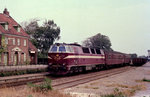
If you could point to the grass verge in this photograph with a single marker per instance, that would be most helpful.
(125, 91)
(33, 90)
(27, 92)
(116, 93)
(44, 87)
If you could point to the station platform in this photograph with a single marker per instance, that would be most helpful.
(22, 67)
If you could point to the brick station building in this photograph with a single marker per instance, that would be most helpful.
(15, 47)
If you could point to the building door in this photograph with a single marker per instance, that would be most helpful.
(6, 58)
(32, 58)
(16, 58)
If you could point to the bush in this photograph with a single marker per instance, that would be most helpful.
(30, 96)
(117, 93)
(42, 87)
(27, 62)
(146, 80)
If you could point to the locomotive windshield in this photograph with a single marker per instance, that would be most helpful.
(60, 48)
(54, 49)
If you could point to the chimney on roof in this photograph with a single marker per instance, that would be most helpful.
(6, 12)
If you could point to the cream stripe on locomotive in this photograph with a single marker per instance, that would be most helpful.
(49, 57)
(79, 56)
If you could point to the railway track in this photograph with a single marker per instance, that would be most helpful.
(21, 79)
(63, 82)
(68, 82)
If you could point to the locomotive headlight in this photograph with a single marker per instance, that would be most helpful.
(50, 63)
(63, 64)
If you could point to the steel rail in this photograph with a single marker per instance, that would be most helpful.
(22, 79)
(71, 82)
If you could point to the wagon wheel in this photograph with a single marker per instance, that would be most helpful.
(71, 71)
(80, 69)
(76, 69)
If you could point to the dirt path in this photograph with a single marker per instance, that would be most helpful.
(129, 83)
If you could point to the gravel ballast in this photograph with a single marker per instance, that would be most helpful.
(129, 82)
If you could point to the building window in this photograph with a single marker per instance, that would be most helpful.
(24, 57)
(14, 42)
(5, 25)
(0, 57)
(5, 58)
(19, 57)
(17, 28)
(12, 59)
(6, 40)
(18, 41)
(25, 42)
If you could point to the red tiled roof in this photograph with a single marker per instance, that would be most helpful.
(11, 24)
(32, 47)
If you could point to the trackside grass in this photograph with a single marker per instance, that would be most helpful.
(44, 87)
(116, 93)
(27, 92)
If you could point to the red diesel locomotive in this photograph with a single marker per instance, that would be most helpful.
(70, 58)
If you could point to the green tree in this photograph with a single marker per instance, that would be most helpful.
(134, 55)
(43, 36)
(98, 41)
(31, 26)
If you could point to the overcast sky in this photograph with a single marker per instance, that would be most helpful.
(125, 22)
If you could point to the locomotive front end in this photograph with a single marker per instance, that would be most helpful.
(58, 64)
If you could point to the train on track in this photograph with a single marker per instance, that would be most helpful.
(73, 58)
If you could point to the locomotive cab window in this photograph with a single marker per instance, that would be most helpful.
(54, 49)
(68, 49)
(98, 51)
(62, 48)
(85, 50)
(93, 51)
